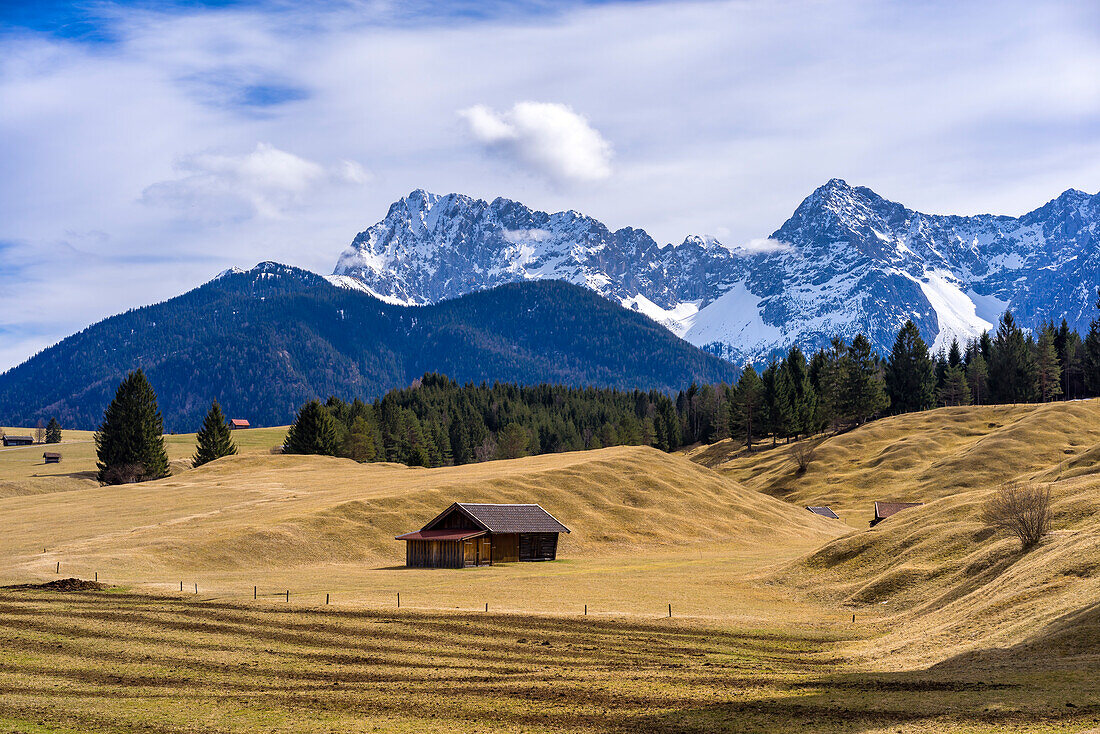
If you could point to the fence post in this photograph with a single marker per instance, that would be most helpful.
(181, 586)
(288, 596)
(326, 598)
(196, 588)
(254, 592)
(97, 576)
(58, 567)
(399, 600)
(586, 610)
(486, 606)
(670, 609)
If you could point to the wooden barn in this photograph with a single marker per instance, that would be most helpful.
(51, 457)
(884, 510)
(469, 534)
(238, 423)
(18, 441)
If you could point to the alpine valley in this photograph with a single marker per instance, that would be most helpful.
(847, 261)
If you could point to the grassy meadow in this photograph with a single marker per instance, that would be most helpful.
(955, 629)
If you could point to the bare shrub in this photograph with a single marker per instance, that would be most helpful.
(803, 452)
(123, 474)
(40, 432)
(1022, 508)
(278, 449)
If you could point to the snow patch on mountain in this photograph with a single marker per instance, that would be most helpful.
(846, 261)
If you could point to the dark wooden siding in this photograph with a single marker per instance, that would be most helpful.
(455, 520)
(538, 546)
(434, 554)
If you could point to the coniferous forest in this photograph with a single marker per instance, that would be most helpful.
(438, 422)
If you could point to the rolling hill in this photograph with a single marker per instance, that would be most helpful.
(264, 341)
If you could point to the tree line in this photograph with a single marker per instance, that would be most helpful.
(437, 422)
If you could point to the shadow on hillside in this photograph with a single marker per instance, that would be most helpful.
(1072, 640)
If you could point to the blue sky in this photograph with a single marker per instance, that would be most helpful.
(147, 146)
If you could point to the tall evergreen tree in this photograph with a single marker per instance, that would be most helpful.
(313, 431)
(864, 386)
(909, 379)
(130, 441)
(803, 396)
(1048, 370)
(747, 406)
(214, 439)
(1091, 359)
(53, 431)
(1073, 370)
(977, 378)
(363, 443)
(955, 389)
(1012, 367)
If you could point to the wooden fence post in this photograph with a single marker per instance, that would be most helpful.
(254, 591)
(58, 567)
(399, 600)
(288, 596)
(486, 606)
(196, 588)
(586, 610)
(326, 598)
(670, 609)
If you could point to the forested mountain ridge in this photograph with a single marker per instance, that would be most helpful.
(264, 341)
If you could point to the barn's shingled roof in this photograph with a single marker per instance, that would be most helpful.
(884, 510)
(506, 518)
(824, 511)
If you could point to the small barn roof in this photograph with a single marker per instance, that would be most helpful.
(22, 439)
(505, 518)
(441, 535)
(239, 423)
(51, 455)
(884, 510)
(824, 511)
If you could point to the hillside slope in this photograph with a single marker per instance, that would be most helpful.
(941, 585)
(264, 341)
(292, 511)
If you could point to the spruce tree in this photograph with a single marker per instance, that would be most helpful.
(1091, 359)
(313, 431)
(214, 439)
(864, 387)
(955, 390)
(909, 379)
(53, 431)
(977, 378)
(363, 441)
(130, 441)
(1012, 367)
(1048, 370)
(747, 406)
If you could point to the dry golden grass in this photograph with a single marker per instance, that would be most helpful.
(22, 470)
(118, 662)
(762, 590)
(648, 529)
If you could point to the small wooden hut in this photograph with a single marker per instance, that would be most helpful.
(470, 534)
(18, 441)
(238, 423)
(51, 457)
(884, 510)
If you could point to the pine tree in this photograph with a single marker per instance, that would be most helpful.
(53, 431)
(1091, 359)
(214, 439)
(1012, 367)
(977, 378)
(1048, 371)
(909, 379)
(864, 386)
(313, 431)
(1073, 371)
(747, 406)
(512, 441)
(364, 444)
(955, 390)
(130, 441)
(803, 396)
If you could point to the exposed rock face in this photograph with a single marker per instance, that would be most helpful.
(846, 261)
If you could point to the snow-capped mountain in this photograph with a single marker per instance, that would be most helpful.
(847, 261)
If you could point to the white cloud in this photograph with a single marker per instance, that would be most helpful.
(265, 183)
(544, 138)
(728, 114)
(763, 246)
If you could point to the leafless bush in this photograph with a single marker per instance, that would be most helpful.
(1021, 508)
(803, 452)
(487, 451)
(123, 474)
(40, 432)
(278, 449)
